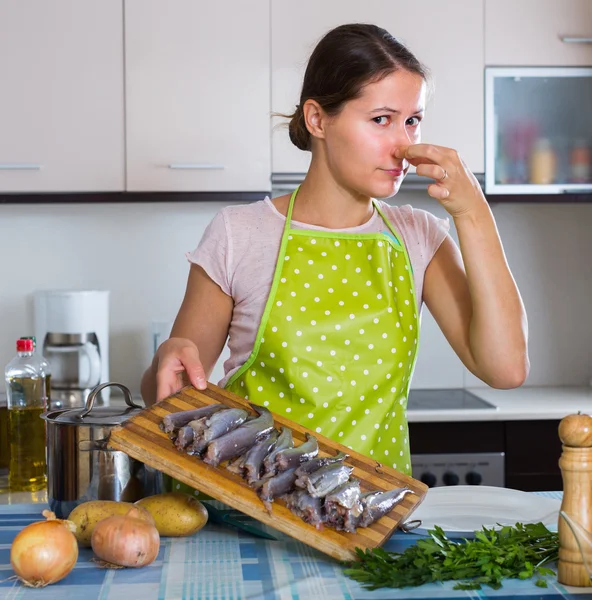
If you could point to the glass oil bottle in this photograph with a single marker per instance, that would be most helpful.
(27, 388)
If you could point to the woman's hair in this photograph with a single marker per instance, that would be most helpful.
(345, 60)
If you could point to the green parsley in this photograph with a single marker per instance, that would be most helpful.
(510, 552)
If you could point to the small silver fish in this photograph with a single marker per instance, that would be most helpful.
(303, 505)
(184, 437)
(176, 420)
(198, 426)
(284, 441)
(292, 457)
(255, 456)
(343, 507)
(281, 484)
(239, 440)
(217, 425)
(378, 504)
(316, 463)
(321, 482)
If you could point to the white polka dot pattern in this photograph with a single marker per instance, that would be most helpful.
(334, 365)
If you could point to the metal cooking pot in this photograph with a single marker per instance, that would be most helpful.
(80, 467)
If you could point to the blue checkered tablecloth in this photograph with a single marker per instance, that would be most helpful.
(224, 563)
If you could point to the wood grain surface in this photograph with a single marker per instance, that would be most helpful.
(141, 438)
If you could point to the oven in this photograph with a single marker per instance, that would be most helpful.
(455, 452)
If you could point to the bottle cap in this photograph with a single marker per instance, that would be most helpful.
(24, 346)
(30, 337)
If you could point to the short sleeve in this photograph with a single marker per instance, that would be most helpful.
(213, 252)
(431, 232)
(423, 233)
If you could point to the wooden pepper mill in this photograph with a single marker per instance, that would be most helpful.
(575, 433)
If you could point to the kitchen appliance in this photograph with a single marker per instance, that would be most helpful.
(454, 468)
(446, 399)
(80, 466)
(72, 330)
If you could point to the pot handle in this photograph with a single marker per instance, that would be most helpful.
(90, 401)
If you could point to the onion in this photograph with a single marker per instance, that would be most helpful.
(126, 541)
(44, 552)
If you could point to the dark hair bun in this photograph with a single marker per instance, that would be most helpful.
(299, 134)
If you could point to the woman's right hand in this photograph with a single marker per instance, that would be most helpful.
(174, 358)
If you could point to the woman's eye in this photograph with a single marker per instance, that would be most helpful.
(384, 120)
(413, 121)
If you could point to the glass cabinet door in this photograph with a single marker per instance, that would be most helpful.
(538, 130)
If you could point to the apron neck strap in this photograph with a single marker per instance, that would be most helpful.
(291, 208)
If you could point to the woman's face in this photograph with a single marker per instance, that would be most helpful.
(361, 140)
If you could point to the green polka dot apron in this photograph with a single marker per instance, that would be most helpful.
(338, 339)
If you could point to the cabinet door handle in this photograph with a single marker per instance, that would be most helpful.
(566, 39)
(19, 167)
(196, 166)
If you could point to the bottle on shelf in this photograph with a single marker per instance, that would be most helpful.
(27, 389)
(543, 163)
(580, 159)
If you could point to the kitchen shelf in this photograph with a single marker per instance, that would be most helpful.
(281, 183)
(537, 137)
(131, 197)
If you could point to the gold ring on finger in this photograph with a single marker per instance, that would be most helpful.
(444, 176)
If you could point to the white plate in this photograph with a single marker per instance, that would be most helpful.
(462, 509)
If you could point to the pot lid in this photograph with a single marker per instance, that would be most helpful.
(89, 415)
(98, 416)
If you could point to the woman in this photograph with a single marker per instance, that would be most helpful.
(320, 291)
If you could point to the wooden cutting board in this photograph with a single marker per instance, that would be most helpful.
(141, 438)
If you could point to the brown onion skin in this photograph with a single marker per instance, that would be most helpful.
(126, 541)
(34, 572)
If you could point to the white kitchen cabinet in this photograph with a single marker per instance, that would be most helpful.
(446, 36)
(532, 33)
(197, 95)
(62, 100)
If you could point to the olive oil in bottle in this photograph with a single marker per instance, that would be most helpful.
(27, 387)
(4, 444)
(27, 470)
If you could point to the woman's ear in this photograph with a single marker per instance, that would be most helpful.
(315, 118)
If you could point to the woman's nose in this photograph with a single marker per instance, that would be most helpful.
(402, 136)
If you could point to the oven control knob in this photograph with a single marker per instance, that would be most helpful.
(473, 478)
(450, 478)
(429, 479)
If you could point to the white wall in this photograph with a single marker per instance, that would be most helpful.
(549, 249)
(137, 252)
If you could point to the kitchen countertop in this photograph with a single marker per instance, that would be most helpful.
(220, 562)
(524, 403)
(8, 497)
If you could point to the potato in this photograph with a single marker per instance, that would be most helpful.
(86, 516)
(175, 514)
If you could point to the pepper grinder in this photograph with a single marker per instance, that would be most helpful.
(575, 433)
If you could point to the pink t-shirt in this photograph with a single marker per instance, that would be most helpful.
(239, 251)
